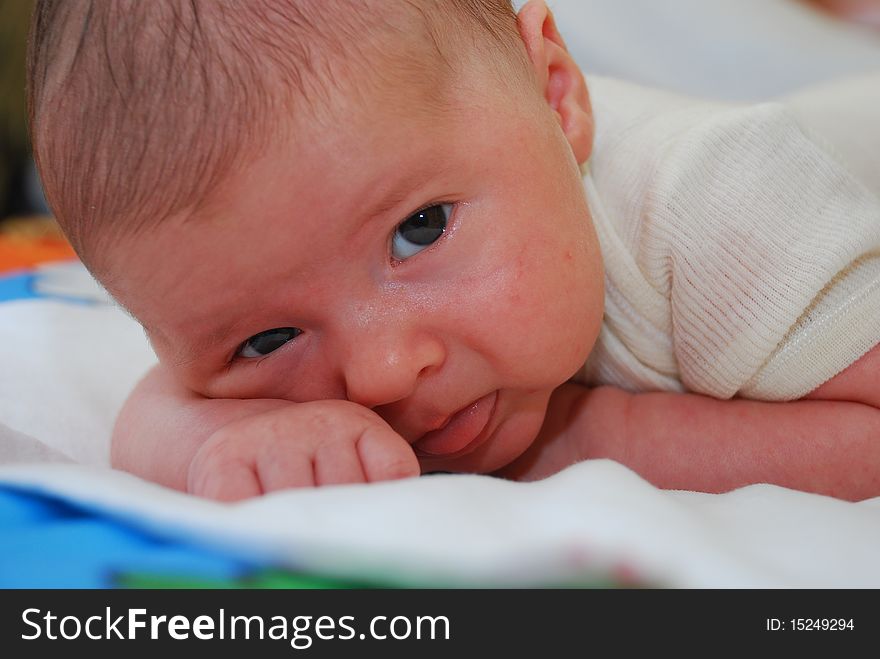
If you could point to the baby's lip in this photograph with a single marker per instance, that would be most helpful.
(460, 431)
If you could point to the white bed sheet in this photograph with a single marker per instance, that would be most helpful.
(590, 521)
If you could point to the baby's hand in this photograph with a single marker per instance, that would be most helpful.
(299, 445)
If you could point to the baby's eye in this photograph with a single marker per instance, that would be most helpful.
(260, 345)
(419, 230)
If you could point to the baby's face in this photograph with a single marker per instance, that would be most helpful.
(439, 267)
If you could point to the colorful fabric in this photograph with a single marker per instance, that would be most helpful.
(50, 542)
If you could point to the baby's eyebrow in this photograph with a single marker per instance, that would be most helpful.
(388, 204)
(186, 349)
(212, 341)
(403, 188)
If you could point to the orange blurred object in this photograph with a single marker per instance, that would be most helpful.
(866, 12)
(26, 243)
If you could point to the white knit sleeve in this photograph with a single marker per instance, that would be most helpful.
(769, 253)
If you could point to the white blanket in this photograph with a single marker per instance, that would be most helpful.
(591, 520)
(68, 360)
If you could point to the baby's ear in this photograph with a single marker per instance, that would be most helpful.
(558, 75)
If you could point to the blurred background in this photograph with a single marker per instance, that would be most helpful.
(20, 193)
(28, 235)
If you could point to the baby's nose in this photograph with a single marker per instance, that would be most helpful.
(387, 366)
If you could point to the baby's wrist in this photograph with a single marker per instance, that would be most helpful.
(606, 419)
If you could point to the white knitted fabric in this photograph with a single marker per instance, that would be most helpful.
(742, 253)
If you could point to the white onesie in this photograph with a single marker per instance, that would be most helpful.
(741, 242)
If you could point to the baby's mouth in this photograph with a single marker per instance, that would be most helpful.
(462, 432)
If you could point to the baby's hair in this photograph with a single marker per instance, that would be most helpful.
(139, 109)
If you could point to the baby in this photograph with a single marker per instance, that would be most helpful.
(369, 240)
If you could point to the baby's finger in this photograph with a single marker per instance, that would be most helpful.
(280, 470)
(236, 481)
(337, 463)
(385, 455)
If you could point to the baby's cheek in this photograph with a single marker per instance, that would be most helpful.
(539, 314)
(564, 299)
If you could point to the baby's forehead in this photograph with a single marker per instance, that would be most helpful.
(174, 95)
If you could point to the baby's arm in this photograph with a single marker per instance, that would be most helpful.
(232, 449)
(686, 441)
